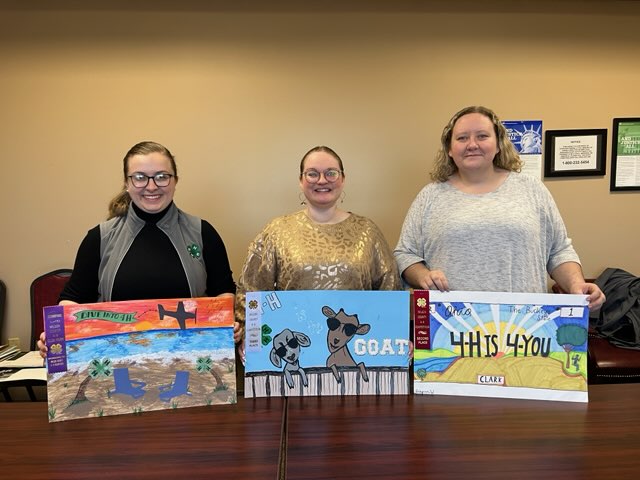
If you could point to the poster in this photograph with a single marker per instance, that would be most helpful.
(625, 156)
(337, 342)
(526, 136)
(509, 345)
(136, 356)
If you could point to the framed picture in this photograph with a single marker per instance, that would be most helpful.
(625, 154)
(573, 153)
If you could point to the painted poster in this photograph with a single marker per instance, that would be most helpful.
(136, 356)
(509, 345)
(327, 342)
(526, 136)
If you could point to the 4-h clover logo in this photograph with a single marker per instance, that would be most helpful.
(253, 304)
(204, 364)
(421, 302)
(194, 250)
(265, 331)
(55, 348)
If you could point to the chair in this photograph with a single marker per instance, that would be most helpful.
(125, 385)
(45, 291)
(3, 296)
(178, 387)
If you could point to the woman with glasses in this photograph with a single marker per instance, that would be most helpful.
(321, 247)
(148, 248)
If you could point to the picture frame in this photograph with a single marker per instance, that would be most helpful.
(575, 153)
(625, 155)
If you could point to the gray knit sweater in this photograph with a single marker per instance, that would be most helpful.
(503, 241)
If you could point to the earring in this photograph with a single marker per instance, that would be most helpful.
(301, 197)
(342, 197)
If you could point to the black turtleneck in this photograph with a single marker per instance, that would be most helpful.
(151, 268)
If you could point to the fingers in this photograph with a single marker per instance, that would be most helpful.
(436, 280)
(238, 332)
(42, 345)
(595, 296)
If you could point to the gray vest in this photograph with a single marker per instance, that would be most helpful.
(184, 231)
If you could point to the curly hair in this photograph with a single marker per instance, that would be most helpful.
(119, 204)
(506, 158)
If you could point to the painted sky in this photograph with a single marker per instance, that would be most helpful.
(210, 312)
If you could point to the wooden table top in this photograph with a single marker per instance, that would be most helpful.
(412, 437)
(234, 441)
(399, 437)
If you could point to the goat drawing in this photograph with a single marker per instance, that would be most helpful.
(342, 328)
(286, 346)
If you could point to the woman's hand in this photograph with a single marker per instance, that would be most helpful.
(42, 345)
(595, 296)
(238, 332)
(419, 276)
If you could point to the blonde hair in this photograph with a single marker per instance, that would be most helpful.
(506, 158)
(119, 205)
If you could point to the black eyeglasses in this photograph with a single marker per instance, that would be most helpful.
(140, 180)
(282, 351)
(349, 329)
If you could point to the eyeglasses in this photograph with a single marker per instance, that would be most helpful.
(140, 180)
(282, 351)
(330, 175)
(349, 329)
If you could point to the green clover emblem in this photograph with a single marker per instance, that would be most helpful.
(194, 250)
(204, 364)
(266, 338)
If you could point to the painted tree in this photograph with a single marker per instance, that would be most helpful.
(205, 365)
(570, 336)
(97, 369)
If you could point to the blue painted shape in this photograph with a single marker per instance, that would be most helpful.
(125, 386)
(177, 388)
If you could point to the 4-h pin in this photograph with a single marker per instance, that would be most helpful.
(194, 250)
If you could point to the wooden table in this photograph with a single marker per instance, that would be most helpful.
(450, 437)
(400, 437)
(239, 441)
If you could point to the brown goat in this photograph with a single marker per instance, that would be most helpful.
(342, 328)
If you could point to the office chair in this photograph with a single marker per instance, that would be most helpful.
(45, 291)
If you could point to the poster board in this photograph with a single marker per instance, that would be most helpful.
(136, 356)
(526, 137)
(337, 342)
(509, 345)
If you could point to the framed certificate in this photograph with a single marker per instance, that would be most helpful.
(625, 154)
(570, 153)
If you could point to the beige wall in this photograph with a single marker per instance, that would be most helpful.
(240, 93)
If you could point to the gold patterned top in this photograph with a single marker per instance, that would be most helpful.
(294, 253)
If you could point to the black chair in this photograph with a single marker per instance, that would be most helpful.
(45, 291)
